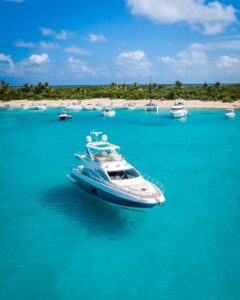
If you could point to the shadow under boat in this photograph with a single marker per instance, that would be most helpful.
(96, 215)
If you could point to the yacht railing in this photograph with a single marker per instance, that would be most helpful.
(154, 181)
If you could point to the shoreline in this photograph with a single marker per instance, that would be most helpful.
(121, 103)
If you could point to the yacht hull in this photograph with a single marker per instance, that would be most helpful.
(109, 195)
(230, 115)
(179, 114)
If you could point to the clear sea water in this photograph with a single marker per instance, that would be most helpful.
(56, 242)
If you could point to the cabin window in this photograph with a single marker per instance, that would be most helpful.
(123, 174)
(102, 174)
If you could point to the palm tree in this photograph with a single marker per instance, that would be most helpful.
(26, 88)
(178, 84)
(205, 85)
(135, 84)
(46, 86)
(4, 87)
(218, 85)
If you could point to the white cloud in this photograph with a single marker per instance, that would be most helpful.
(209, 18)
(39, 58)
(187, 62)
(133, 64)
(35, 64)
(77, 51)
(92, 37)
(48, 46)
(21, 44)
(7, 66)
(14, 1)
(226, 62)
(196, 64)
(47, 31)
(80, 67)
(63, 35)
(230, 45)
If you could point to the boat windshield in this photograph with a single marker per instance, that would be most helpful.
(123, 174)
(105, 154)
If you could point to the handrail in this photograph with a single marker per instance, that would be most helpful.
(154, 181)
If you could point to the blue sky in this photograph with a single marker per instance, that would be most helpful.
(98, 42)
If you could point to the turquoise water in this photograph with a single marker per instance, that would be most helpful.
(56, 242)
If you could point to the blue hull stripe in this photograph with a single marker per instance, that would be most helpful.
(113, 199)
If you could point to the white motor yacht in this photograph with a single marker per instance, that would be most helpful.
(25, 107)
(64, 116)
(178, 110)
(151, 106)
(108, 112)
(98, 107)
(106, 174)
(75, 107)
(230, 113)
(89, 107)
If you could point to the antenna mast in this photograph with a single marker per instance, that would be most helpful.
(150, 87)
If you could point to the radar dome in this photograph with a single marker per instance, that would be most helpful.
(89, 139)
(104, 138)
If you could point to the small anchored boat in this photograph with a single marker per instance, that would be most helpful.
(178, 110)
(230, 113)
(89, 107)
(64, 116)
(108, 112)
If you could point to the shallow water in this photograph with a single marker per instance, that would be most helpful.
(56, 242)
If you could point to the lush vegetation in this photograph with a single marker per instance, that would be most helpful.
(218, 91)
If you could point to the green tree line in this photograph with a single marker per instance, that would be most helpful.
(135, 91)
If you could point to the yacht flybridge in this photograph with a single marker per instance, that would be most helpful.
(178, 110)
(230, 113)
(105, 173)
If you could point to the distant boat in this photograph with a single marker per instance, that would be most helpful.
(130, 106)
(25, 107)
(230, 113)
(64, 116)
(178, 110)
(37, 107)
(98, 107)
(151, 106)
(89, 107)
(108, 112)
(107, 175)
(74, 107)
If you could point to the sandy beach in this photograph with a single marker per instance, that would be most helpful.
(120, 103)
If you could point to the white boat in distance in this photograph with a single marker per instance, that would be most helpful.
(98, 107)
(130, 106)
(64, 116)
(75, 107)
(88, 107)
(151, 106)
(106, 174)
(108, 112)
(37, 107)
(230, 113)
(178, 110)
